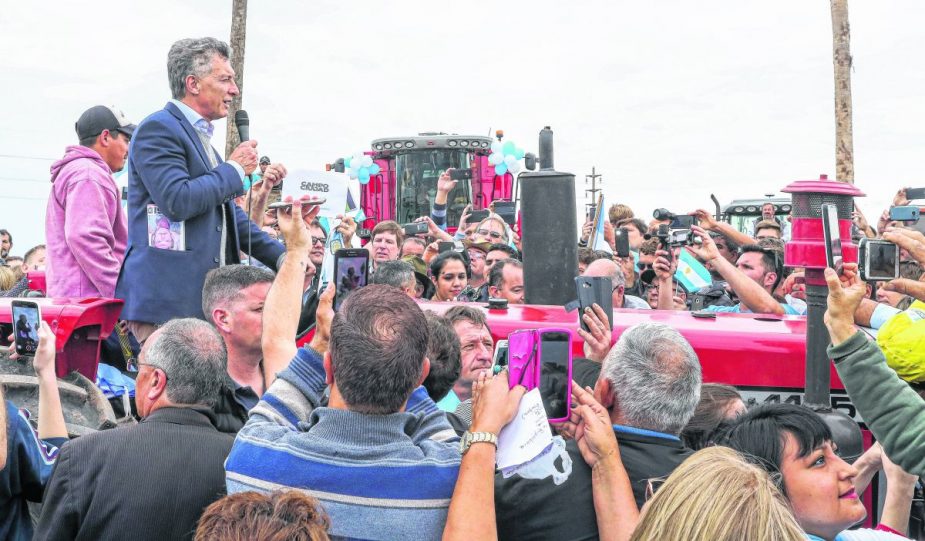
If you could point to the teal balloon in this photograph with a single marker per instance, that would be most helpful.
(519, 154)
(347, 162)
(509, 148)
(500, 169)
(364, 179)
(363, 172)
(374, 169)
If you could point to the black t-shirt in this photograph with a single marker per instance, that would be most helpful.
(541, 510)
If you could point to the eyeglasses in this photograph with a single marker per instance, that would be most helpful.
(492, 234)
(475, 254)
(316, 240)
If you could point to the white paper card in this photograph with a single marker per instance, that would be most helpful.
(527, 435)
(325, 184)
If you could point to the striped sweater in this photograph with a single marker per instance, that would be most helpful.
(377, 476)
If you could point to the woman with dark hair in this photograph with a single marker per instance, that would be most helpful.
(719, 404)
(449, 272)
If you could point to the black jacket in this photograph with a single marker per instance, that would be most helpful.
(148, 481)
(538, 509)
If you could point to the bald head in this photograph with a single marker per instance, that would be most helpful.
(607, 268)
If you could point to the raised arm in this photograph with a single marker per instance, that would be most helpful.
(283, 306)
(750, 292)
(708, 222)
(888, 405)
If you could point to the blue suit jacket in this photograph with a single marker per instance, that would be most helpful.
(168, 166)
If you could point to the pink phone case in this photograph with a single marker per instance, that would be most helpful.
(525, 362)
(522, 354)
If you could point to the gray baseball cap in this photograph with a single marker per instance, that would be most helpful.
(100, 117)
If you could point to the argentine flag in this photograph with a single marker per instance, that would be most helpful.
(600, 243)
(691, 273)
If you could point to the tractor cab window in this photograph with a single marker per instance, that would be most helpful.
(417, 173)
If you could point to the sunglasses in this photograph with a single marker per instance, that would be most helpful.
(492, 234)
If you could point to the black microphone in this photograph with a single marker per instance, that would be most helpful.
(243, 123)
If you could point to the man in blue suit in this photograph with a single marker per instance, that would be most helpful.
(182, 218)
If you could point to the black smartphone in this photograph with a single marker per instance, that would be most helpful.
(915, 193)
(832, 236)
(461, 174)
(351, 272)
(621, 236)
(364, 233)
(878, 260)
(446, 246)
(26, 320)
(286, 205)
(595, 290)
(506, 210)
(418, 228)
(905, 214)
(476, 216)
(555, 355)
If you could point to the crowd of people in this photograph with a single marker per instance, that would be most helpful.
(385, 424)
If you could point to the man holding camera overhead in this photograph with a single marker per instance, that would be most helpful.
(753, 278)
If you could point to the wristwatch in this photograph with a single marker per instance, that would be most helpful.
(476, 437)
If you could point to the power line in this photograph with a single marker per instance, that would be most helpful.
(15, 179)
(21, 157)
(6, 197)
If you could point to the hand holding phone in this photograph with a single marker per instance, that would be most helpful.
(832, 236)
(27, 317)
(351, 272)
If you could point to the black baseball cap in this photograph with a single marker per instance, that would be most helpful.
(265, 160)
(100, 117)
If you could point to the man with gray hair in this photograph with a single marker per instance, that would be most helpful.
(650, 385)
(182, 218)
(150, 481)
(398, 274)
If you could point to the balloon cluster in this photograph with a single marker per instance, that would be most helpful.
(360, 166)
(505, 157)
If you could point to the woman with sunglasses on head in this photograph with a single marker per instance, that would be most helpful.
(449, 272)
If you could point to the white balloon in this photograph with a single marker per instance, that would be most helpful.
(514, 167)
(367, 161)
(495, 158)
(497, 147)
(510, 160)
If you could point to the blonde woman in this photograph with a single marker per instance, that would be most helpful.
(717, 495)
(7, 278)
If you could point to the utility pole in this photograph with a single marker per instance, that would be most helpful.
(841, 57)
(238, 33)
(591, 194)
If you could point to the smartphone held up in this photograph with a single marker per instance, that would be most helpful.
(27, 317)
(351, 272)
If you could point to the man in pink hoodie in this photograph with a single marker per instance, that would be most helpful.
(85, 227)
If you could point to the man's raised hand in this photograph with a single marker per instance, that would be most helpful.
(245, 155)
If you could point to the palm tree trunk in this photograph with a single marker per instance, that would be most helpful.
(841, 53)
(238, 33)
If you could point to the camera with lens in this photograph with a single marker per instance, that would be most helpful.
(677, 232)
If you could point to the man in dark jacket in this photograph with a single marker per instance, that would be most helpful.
(181, 213)
(152, 480)
(650, 383)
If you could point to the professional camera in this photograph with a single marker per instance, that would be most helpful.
(678, 232)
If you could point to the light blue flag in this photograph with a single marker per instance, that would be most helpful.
(691, 273)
